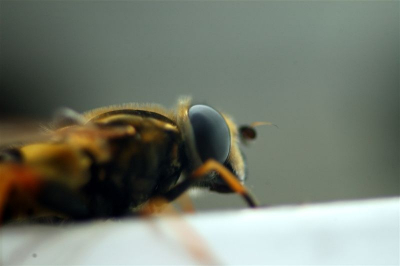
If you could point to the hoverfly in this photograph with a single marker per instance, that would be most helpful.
(112, 161)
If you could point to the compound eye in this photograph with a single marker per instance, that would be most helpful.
(211, 133)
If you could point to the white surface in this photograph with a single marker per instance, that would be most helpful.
(362, 232)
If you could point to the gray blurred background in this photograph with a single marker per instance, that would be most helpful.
(327, 73)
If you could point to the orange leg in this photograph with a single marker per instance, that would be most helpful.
(161, 205)
(185, 203)
(228, 177)
(192, 241)
(16, 177)
(209, 166)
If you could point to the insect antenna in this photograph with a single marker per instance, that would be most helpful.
(248, 132)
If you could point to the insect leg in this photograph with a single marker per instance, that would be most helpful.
(188, 236)
(209, 166)
(185, 203)
(228, 177)
(178, 190)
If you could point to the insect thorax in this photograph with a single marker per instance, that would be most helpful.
(144, 163)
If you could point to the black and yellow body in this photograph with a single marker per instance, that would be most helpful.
(110, 161)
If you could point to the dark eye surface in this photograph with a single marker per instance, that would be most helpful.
(212, 136)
